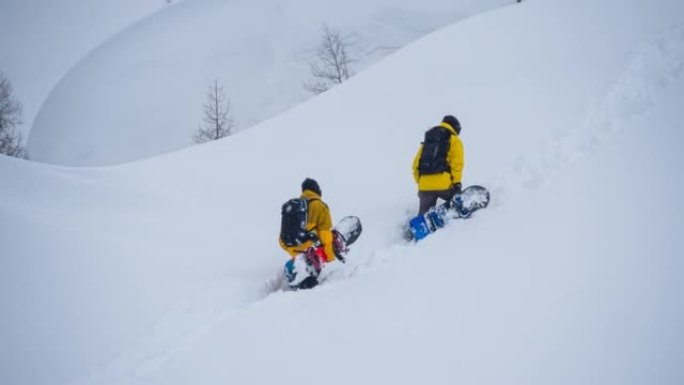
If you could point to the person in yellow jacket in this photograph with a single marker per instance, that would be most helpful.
(319, 222)
(438, 164)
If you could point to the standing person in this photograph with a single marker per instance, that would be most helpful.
(306, 229)
(438, 164)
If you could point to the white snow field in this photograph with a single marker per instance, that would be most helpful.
(164, 271)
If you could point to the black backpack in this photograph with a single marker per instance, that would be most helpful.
(433, 159)
(294, 217)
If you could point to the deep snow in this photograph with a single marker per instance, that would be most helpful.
(161, 271)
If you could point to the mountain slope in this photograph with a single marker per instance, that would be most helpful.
(103, 111)
(42, 40)
(161, 271)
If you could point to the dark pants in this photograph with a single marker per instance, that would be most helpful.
(428, 199)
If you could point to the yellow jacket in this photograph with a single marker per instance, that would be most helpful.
(318, 221)
(443, 181)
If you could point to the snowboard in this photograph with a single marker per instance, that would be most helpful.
(462, 206)
(302, 272)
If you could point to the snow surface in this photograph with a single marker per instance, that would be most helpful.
(163, 271)
(141, 93)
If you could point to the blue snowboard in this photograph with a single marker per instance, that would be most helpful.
(463, 206)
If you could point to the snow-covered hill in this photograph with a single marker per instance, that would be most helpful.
(161, 271)
(141, 93)
(41, 40)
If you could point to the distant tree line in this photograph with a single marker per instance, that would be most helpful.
(332, 63)
(217, 122)
(10, 118)
(330, 66)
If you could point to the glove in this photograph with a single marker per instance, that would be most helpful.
(457, 188)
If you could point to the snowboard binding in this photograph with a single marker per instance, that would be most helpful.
(460, 206)
(339, 246)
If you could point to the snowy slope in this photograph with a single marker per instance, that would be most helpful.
(99, 113)
(161, 271)
(41, 40)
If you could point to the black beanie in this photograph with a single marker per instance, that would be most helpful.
(453, 122)
(310, 184)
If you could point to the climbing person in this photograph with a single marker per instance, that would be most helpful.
(306, 230)
(438, 164)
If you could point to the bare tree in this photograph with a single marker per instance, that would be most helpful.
(217, 121)
(10, 118)
(332, 64)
